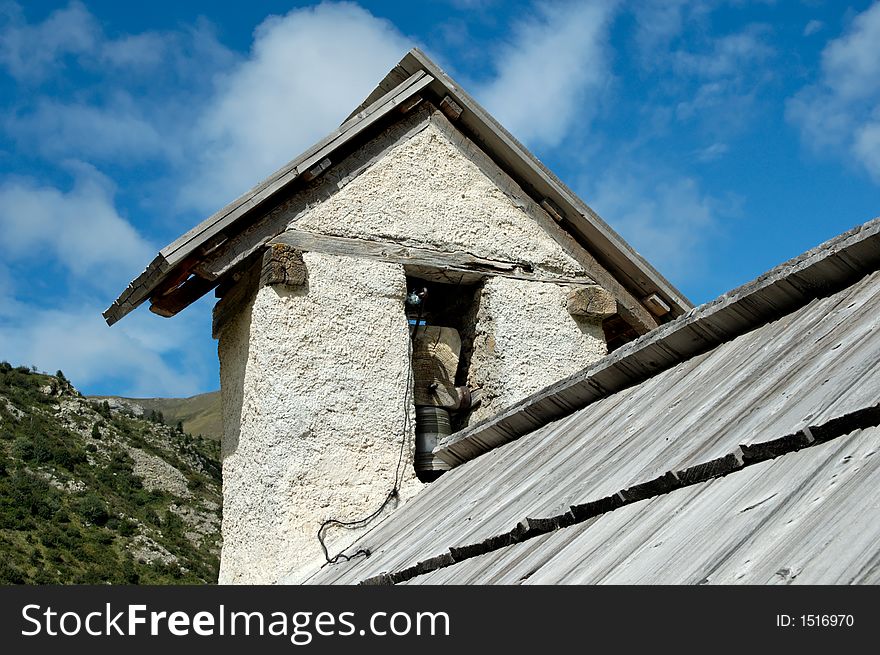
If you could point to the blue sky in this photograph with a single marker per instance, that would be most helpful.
(718, 137)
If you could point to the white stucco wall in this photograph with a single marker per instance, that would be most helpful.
(319, 373)
(426, 192)
(313, 379)
(525, 340)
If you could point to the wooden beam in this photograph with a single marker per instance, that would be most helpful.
(282, 264)
(395, 253)
(172, 302)
(451, 108)
(656, 305)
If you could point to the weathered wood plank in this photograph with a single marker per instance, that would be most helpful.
(692, 419)
(173, 302)
(395, 253)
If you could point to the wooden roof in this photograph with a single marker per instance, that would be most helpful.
(750, 417)
(175, 274)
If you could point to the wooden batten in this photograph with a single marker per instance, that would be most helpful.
(316, 170)
(408, 105)
(553, 209)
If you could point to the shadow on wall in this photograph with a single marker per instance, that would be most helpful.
(232, 377)
(234, 347)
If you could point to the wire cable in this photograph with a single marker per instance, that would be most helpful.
(395, 489)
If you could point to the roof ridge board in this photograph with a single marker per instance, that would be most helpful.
(742, 457)
(602, 231)
(766, 298)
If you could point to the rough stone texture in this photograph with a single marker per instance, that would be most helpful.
(158, 474)
(591, 302)
(426, 192)
(313, 381)
(526, 340)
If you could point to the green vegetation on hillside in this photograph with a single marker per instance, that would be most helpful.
(91, 495)
(198, 414)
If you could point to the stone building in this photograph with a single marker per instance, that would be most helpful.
(408, 277)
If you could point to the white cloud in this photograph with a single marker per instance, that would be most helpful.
(57, 323)
(727, 56)
(842, 109)
(550, 73)
(116, 131)
(812, 27)
(31, 51)
(705, 73)
(668, 219)
(75, 339)
(79, 228)
(866, 146)
(305, 72)
(658, 23)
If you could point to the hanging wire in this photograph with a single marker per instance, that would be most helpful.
(395, 488)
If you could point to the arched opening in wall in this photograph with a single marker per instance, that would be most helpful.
(442, 309)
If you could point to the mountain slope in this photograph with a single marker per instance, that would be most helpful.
(199, 414)
(89, 494)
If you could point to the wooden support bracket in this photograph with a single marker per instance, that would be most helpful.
(451, 108)
(656, 305)
(172, 302)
